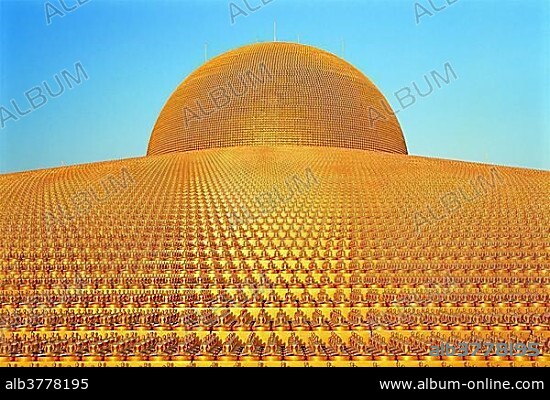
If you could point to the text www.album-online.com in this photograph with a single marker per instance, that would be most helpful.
(485, 384)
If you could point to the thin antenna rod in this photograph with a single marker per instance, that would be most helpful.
(298, 38)
(205, 52)
(274, 31)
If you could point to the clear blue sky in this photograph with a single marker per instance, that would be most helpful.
(136, 52)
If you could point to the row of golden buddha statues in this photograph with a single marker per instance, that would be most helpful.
(337, 297)
(21, 261)
(266, 319)
(268, 280)
(281, 345)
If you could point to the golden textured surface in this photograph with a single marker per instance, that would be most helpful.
(276, 94)
(277, 230)
(186, 265)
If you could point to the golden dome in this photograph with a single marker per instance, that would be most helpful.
(276, 94)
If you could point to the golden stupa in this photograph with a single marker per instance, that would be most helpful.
(277, 219)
